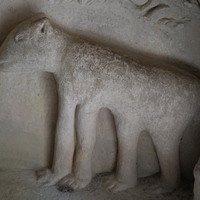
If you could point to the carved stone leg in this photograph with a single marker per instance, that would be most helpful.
(126, 173)
(86, 138)
(64, 146)
(168, 154)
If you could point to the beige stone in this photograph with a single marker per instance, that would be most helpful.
(24, 97)
(141, 94)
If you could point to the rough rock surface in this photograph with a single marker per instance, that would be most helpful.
(18, 185)
(28, 102)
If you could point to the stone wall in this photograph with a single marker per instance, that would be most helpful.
(28, 101)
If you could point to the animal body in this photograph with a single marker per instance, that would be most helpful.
(141, 96)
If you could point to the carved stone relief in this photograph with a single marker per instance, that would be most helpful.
(189, 3)
(141, 94)
(150, 8)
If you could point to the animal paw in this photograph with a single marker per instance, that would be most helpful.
(47, 178)
(73, 182)
(161, 187)
(116, 186)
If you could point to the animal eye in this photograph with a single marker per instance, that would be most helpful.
(19, 37)
(42, 30)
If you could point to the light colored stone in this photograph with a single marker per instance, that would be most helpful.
(20, 184)
(142, 94)
(32, 136)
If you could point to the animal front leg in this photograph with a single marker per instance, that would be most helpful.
(64, 146)
(86, 137)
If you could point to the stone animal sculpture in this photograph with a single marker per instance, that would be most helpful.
(197, 181)
(141, 96)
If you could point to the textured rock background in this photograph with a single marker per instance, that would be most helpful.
(28, 102)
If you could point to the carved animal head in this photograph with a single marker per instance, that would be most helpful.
(29, 46)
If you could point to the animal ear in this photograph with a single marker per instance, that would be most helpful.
(19, 37)
(45, 27)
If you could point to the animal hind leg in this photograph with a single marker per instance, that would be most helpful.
(126, 173)
(167, 146)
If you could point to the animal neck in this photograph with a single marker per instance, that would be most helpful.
(55, 53)
(62, 45)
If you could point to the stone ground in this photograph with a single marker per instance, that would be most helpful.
(21, 185)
